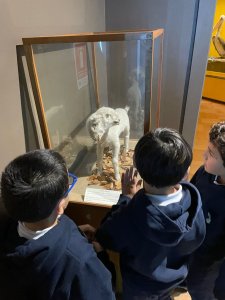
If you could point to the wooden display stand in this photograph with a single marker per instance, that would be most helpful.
(86, 213)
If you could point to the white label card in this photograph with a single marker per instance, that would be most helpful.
(101, 196)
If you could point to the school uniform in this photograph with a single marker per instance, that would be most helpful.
(155, 237)
(60, 264)
(206, 277)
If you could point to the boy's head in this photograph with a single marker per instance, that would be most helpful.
(162, 157)
(214, 156)
(33, 184)
(217, 138)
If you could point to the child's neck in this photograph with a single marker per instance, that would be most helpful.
(149, 189)
(43, 224)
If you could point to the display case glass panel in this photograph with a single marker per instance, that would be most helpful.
(74, 76)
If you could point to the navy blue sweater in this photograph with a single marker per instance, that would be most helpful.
(213, 204)
(59, 265)
(154, 241)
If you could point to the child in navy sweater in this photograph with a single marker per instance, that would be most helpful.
(157, 230)
(206, 279)
(43, 254)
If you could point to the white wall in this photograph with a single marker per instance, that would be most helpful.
(25, 18)
(176, 17)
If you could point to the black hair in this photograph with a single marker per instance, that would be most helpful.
(217, 138)
(32, 185)
(162, 157)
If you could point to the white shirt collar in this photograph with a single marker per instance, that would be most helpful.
(28, 234)
(216, 181)
(164, 200)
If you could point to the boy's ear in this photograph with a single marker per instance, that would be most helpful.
(62, 206)
(186, 174)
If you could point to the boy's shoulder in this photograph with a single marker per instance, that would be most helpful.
(202, 175)
(198, 173)
(78, 247)
(190, 189)
(63, 243)
(212, 193)
(6, 226)
(203, 178)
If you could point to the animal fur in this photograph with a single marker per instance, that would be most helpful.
(105, 127)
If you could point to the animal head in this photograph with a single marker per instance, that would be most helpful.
(100, 122)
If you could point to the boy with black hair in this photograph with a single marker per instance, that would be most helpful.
(158, 229)
(206, 279)
(43, 254)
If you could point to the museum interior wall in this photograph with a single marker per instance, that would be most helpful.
(180, 19)
(34, 18)
(178, 34)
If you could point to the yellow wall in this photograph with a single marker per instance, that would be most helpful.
(220, 10)
(215, 81)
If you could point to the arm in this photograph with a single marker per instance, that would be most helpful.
(115, 227)
(130, 183)
(94, 281)
(87, 231)
(130, 186)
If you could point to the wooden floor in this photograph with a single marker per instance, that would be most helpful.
(210, 113)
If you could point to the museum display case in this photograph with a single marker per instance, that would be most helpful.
(72, 77)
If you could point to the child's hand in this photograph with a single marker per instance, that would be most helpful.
(130, 183)
(89, 231)
(98, 248)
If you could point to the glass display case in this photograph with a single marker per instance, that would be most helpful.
(73, 76)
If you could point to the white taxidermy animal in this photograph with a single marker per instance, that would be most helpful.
(105, 127)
